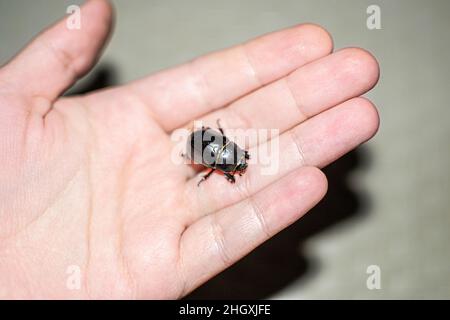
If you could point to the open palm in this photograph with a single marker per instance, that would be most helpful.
(88, 185)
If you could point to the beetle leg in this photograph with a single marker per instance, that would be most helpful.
(206, 176)
(230, 177)
(220, 127)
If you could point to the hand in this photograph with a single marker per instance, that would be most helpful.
(88, 181)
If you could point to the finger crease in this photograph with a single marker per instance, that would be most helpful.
(252, 68)
(199, 81)
(219, 240)
(257, 211)
(296, 140)
(302, 116)
(244, 121)
(63, 57)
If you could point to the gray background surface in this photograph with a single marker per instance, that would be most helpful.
(389, 201)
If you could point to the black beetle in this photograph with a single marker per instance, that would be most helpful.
(214, 150)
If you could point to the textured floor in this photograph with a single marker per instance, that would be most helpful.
(389, 201)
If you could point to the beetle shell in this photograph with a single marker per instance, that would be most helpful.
(214, 150)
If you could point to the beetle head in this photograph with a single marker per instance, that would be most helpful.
(242, 165)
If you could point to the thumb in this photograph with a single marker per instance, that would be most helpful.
(60, 55)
